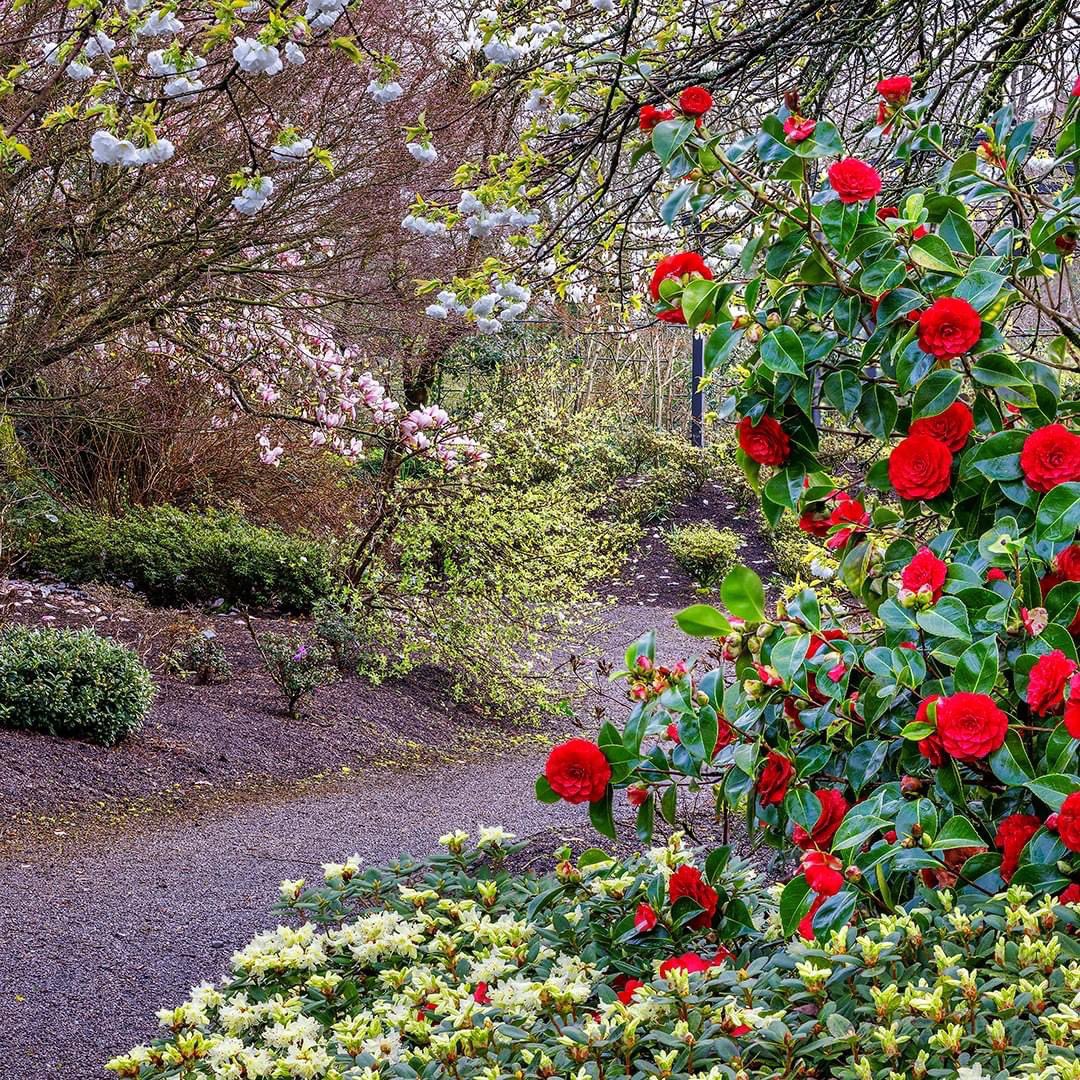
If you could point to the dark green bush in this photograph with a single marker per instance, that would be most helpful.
(71, 682)
(174, 556)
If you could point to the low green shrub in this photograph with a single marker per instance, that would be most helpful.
(199, 658)
(174, 555)
(663, 470)
(456, 968)
(705, 552)
(72, 683)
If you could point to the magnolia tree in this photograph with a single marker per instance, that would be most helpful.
(222, 184)
(917, 727)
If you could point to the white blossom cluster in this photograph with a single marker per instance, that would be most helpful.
(107, 149)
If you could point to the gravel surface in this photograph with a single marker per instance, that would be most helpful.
(98, 931)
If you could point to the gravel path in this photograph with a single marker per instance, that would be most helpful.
(94, 937)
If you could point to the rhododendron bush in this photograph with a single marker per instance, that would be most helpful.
(456, 967)
(922, 733)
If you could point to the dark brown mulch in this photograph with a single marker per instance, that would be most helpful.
(651, 577)
(207, 741)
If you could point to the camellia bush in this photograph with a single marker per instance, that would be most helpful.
(456, 967)
(923, 732)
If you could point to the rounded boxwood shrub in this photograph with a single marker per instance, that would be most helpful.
(456, 968)
(175, 555)
(71, 682)
(705, 552)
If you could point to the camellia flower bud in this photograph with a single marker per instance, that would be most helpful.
(567, 871)
(1035, 620)
(753, 688)
(773, 320)
(912, 785)
(754, 333)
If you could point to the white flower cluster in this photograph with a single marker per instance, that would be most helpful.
(255, 58)
(425, 153)
(384, 92)
(291, 152)
(424, 226)
(185, 78)
(160, 24)
(253, 198)
(522, 41)
(322, 14)
(107, 149)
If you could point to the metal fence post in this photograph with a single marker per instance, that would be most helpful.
(697, 394)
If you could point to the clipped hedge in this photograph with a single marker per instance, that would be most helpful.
(71, 682)
(175, 556)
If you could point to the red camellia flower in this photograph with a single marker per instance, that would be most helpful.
(1076, 88)
(1071, 895)
(1012, 834)
(695, 101)
(690, 962)
(806, 923)
(920, 468)
(1072, 708)
(1068, 822)
(850, 513)
(644, 919)
(932, 749)
(853, 180)
(764, 442)
(952, 427)
(797, 128)
(480, 994)
(949, 327)
(684, 265)
(650, 116)
(996, 574)
(578, 771)
(822, 872)
(626, 994)
(833, 808)
(1046, 682)
(895, 90)
(1067, 562)
(775, 776)
(1050, 456)
(687, 881)
(925, 568)
(637, 795)
(971, 726)
(886, 212)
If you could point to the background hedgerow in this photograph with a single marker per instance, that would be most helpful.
(457, 967)
(176, 556)
(71, 682)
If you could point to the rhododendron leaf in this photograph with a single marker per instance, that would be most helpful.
(835, 913)
(1062, 602)
(669, 804)
(839, 222)
(1010, 763)
(1040, 878)
(803, 807)
(843, 390)
(948, 618)
(980, 288)
(600, 816)
(957, 232)
(669, 136)
(783, 352)
(1059, 514)
(673, 204)
(743, 594)
(644, 646)
(1053, 788)
(643, 826)
(977, 670)
(702, 620)
(795, 902)
(932, 253)
(882, 276)
(864, 762)
(936, 393)
(957, 832)
(593, 856)
(878, 410)
(716, 862)
(543, 791)
(918, 812)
